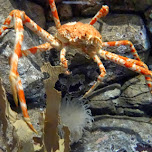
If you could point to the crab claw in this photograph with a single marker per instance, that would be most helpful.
(13, 83)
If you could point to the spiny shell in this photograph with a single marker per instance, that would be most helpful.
(77, 32)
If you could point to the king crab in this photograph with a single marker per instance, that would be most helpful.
(77, 35)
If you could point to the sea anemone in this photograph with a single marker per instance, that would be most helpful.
(76, 116)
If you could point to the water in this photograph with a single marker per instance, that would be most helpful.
(121, 104)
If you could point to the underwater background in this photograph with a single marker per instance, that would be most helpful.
(116, 117)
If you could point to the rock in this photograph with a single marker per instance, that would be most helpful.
(116, 134)
(6, 8)
(103, 100)
(136, 96)
(34, 11)
(128, 5)
(41, 2)
(148, 17)
(132, 99)
(132, 29)
(141, 5)
(134, 90)
(65, 11)
(86, 8)
(149, 63)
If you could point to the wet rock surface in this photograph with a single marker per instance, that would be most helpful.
(132, 99)
(6, 7)
(121, 134)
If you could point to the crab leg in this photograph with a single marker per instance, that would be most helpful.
(17, 53)
(22, 100)
(35, 49)
(139, 63)
(101, 13)
(7, 22)
(41, 33)
(14, 76)
(32, 26)
(130, 65)
(132, 48)
(123, 42)
(19, 19)
(64, 61)
(100, 77)
(55, 13)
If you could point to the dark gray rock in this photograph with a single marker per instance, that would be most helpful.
(6, 7)
(121, 134)
(128, 5)
(33, 10)
(132, 99)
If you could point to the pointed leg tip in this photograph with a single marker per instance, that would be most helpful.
(14, 90)
(32, 128)
(35, 131)
(81, 98)
(15, 98)
(28, 122)
(16, 102)
(84, 96)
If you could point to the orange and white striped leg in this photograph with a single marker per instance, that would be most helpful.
(55, 13)
(7, 22)
(32, 26)
(101, 13)
(100, 77)
(17, 52)
(35, 49)
(42, 33)
(14, 76)
(23, 105)
(139, 63)
(133, 51)
(123, 42)
(64, 61)
(19, 19)
(128, 64)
